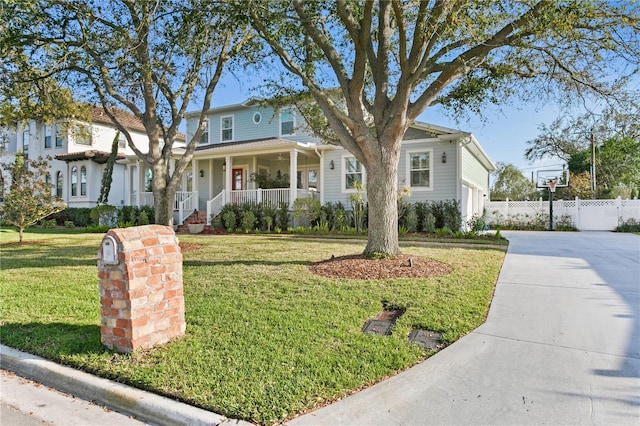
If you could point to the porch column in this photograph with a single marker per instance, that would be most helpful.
(227, 175)
(141, 181)
(293, 176)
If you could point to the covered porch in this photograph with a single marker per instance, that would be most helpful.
(270, 171)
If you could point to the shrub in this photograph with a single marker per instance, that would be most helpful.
(229, 219)
(97, 229)
(105, 214)
(429, 222)
(283, 215)
(69, 224)
(306, 211)
(476, 223)
(48, 223)
(143, 219)
(248, 220)
(631, 225)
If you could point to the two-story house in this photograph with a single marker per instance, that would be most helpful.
(79, 152)
(244, 140)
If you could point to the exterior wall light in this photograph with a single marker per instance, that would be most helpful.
(444, 157)
(332, 165)
(201, 173)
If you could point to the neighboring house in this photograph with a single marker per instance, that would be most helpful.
(244, 139)
(79, 152)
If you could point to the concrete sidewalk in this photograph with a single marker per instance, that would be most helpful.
(561, 345)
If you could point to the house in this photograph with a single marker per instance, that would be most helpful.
(79, 152)
(247, 140)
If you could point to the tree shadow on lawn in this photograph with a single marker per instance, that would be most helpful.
(52, 340)
(191, 263)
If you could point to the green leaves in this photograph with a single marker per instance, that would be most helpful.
(29, 199)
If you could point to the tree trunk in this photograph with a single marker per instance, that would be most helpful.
(382, 194)
(163, 196)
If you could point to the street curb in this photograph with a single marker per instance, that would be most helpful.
(145, 406)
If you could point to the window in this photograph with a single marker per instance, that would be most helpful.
(59, 184)
(419, 169)
(47, 136)
(287, 123)
(25, 143)
(83, 135)
(353, 173)
(58, 136)
(204, 139)
(74, 181)
(257, 118)
(122, 141)
(83, 180)
(189, 178)
(226, 124)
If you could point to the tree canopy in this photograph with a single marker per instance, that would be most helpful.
(148, 57)
(29, 199)
(509, 182)
(372, 67)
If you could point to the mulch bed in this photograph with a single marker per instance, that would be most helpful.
(358, 267)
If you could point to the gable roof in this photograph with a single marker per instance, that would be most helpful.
(127, 119)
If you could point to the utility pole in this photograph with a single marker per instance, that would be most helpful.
(593, 165)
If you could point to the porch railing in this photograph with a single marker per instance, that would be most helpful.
(146, 198)
(187, 203)
(215, 205)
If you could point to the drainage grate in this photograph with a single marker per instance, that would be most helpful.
(378, 327)
(383, 324)
(426, 339)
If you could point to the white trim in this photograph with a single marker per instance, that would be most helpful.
(343, 173)
(408, 169)
(222, 129)
(293, 114)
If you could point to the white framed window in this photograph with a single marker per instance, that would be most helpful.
(26, 135)
(83, 135)
(48, 136)
(287, 123)
(83, 181)
(419, 167)
(58, 135)
(226, 128)
(74, 181)
(204, 139)
(59, 184)
(257, 117)
(352, 172)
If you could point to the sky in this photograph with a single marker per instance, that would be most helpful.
(502, 131)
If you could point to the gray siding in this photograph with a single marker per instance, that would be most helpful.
(245, 129)
(443, 175)
(473, 171)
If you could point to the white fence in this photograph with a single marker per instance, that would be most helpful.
(586, 215)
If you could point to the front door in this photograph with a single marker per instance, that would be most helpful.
(237, 179)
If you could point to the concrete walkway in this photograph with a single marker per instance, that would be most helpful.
(561, 345)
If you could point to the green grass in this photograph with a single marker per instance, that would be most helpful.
(265, 338)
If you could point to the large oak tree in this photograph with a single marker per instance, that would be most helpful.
(150, 57)
(373, 66)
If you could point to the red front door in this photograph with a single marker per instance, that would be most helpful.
(236, 179)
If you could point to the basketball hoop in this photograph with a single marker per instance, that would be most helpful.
(552, 185)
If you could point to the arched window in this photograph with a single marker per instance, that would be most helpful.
(59, 184)
(74, 181)
(83, 180)
(1, 187)
(25, 143)
(47, 180)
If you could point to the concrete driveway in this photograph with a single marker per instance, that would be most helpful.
(561, 345)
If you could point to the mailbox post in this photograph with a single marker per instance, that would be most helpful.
(141, 293)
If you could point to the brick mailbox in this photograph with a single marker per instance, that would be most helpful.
(141, 294)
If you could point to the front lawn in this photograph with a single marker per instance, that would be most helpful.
(265, 338)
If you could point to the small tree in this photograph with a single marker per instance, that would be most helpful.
(29, 199)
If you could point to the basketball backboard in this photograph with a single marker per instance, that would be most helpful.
(559, 176)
